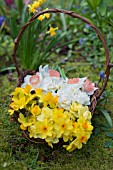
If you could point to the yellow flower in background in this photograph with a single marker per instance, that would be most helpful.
(52, 31)
(42, 17)
(46, 15)
(36, 4)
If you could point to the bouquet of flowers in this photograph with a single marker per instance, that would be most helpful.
(51, 108)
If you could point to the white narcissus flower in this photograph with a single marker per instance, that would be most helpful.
(33, 81)
(68, 91)
(78, 82)
(56, 83)
(43, 71)
(82, 98)
(26, 81)
(46, 83)
(65, 96)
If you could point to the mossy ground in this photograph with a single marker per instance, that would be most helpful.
(17, 153)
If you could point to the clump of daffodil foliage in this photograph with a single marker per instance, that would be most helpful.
(35, 7)
(52, 108)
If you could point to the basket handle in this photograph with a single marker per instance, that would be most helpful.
(74, 15)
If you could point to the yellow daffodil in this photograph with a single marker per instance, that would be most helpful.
(36, 4)
(27, 89)
(51, 140)
(79, 110)
(83, 136)
(42, 17)
(18, 91)
(63, 127)
(32, 131)
(58, 113)
(75, 127)
(23, 127)
(52, 31)
(11, 111)
(77, 143)
(87, 115)
(38, 92)
(36, 110)
(51, 100)
(18, 103)
(46, 113)
(72, 146)
(25, 121)
(74, 108)
(86, 125)
(44, 129)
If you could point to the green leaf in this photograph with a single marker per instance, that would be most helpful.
(19, 5)
(105, 128)
(106, 115)
(109, 144)
(63, 21)
(109, 134)
(103, 7)
(96, 131)
(93, 3)
(8, 68)
(62, 73)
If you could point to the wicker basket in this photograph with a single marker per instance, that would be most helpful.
(23, 73)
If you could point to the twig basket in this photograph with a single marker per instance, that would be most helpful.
(22, 74)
